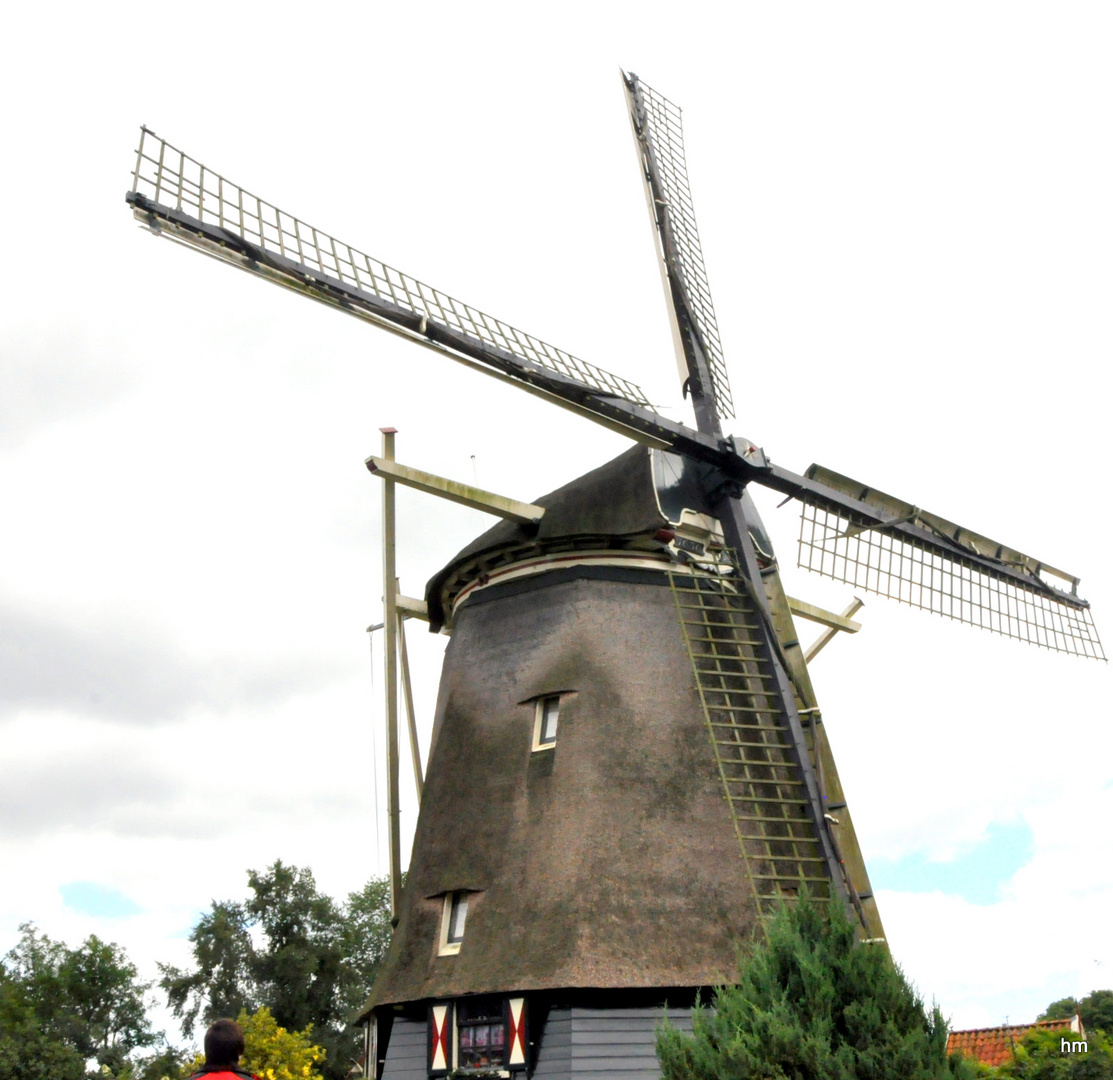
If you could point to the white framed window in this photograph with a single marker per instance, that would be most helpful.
(546, 715)
(480, 1034)
(483, 1036)
(454, 917)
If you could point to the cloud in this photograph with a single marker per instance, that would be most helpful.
(132, 674)
(269, 772)
(85, 787)
(1046, 935)
(48, 376)
(157, 790)
(101, 901)
(1010, 958)
(976, 875)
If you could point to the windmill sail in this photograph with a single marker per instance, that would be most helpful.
(899, 551)
(659, 131)
(178, 196)
(850, 539)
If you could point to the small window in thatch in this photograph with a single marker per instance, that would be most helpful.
(452, 922)
(545, 722)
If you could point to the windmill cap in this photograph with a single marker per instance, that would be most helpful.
(637, 494)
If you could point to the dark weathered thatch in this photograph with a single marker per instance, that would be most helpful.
(609, 861)
(614, 501)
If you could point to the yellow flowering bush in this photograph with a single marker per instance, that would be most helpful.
(271, 1052)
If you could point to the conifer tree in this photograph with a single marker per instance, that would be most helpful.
(811, 1004)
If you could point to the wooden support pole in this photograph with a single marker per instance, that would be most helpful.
(407, 691)
(390, 667)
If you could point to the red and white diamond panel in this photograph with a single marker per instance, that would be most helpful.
(441, 1018)
(516, 1035)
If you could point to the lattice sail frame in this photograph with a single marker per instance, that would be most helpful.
(859, 553)
(173, 180)
(665, 132)
(175, 194)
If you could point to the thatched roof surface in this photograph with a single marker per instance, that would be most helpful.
(615, 500)
(607, 862)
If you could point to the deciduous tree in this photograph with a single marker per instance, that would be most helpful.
(1095, 1009)
(1040, 1055)
(306, 958)
(29, 1047)
(61, 1006)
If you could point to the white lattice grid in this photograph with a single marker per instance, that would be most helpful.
(665, 133)
(173, 179)
(915, 574)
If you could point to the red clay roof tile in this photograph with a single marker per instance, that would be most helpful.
(993, 1046)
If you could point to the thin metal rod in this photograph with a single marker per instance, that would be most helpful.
(390, 671)
(407, 692)
(375, 751)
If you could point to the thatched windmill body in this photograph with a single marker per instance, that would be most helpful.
(628, 765)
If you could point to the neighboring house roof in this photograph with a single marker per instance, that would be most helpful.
(994, 1046)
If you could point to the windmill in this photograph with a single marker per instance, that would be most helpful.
(629, 766)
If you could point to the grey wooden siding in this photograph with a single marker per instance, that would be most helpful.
(407, 1053)
(603, 1044)
(619, 1044)
(554, 1060)
(577, 1044)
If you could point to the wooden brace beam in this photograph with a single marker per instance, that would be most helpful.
(465, 494)
(822, 616)
(811, 651)
(411, 608)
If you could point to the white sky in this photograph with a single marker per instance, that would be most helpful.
(906, 218)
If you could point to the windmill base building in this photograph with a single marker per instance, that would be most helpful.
(606, 815)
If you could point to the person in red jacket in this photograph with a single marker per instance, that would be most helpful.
(223, 1049)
